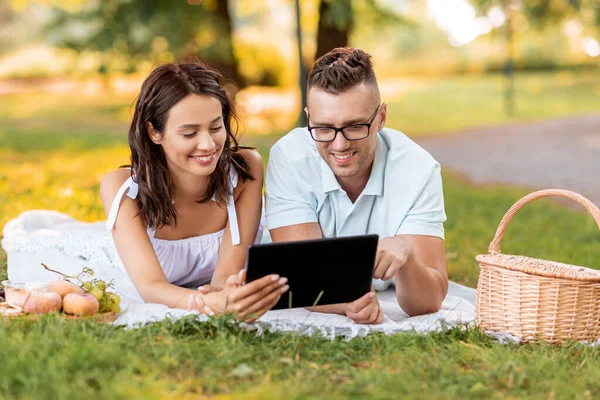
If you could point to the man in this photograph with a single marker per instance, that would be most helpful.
(348, 175)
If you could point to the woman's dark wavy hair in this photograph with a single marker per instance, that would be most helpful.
(165, 87)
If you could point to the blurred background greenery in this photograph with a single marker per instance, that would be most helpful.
(105, 48)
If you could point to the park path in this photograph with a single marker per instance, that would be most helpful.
(560, 153)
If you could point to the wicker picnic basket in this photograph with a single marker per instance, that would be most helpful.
(537, 300)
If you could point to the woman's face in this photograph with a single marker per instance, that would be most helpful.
(194, 135)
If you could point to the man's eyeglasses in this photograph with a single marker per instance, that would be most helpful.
(350, 132)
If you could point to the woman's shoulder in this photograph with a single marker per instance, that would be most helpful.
(253, 158)
(112, 182)
(255, 166)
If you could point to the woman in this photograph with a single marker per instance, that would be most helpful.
(193, 198)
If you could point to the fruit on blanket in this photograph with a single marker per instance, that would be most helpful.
(97, 293)
(42, 302)
(109, 301)
(115, 303)
(63, 288)
(80, 304)
(99, 289)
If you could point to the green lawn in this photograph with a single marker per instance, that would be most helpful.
(57, 359)
(449, 104)
(51, 157)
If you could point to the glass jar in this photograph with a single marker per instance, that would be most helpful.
(17, 292)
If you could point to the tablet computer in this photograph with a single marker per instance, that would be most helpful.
(321, 271)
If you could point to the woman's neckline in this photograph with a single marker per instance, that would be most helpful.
(191, 238)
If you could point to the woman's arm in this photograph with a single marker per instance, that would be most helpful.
(261, 295)
(135, 248)
(248, 206)
(142, 265)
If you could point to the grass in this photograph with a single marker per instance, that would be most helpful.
(187, 359)
(53, 158)
(446, 105)
(417, 106)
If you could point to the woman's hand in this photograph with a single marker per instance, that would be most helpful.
(248, 302)
(196, 303)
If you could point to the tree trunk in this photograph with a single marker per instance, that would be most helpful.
(302, 121)
(226, 62)
(329, 36)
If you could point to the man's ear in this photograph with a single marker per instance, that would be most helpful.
(155, 136)
(306, 111)
(383, 112)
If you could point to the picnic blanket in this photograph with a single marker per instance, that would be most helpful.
(68, 245)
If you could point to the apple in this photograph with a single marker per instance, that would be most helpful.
(42, 302)
(80, 304)
(63, 288)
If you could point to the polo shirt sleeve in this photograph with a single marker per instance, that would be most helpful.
(286, 204)
(427, 215)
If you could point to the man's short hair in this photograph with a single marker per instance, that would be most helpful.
(341, 69)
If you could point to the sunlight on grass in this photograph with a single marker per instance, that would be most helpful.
(450, 104)
(63, 180)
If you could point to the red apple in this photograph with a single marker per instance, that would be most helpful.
(80, 304)
(64, 287)
(42, 302)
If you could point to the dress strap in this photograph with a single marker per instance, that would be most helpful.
(114, 208)
(231, 213)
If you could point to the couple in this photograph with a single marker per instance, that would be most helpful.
(184, 214)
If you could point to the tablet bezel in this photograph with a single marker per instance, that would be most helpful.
(341, 286)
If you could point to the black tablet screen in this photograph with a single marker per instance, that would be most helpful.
(335, 270)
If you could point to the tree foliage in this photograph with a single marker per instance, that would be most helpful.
(541, 13)
(173, 29)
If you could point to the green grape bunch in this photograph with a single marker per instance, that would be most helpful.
(102, 291)
(109, 300)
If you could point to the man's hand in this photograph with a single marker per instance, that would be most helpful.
(392, 254)
(365, 310)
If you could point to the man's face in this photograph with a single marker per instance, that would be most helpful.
(347, 158)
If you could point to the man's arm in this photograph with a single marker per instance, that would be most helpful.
(293, 233)
(416, 256)
(421, 276)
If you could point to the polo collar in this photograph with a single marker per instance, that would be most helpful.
(376, 180)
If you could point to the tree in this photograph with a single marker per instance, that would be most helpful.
(336, 20)
(546, 12)
(138, 28)
(7, 16)
(538, 13)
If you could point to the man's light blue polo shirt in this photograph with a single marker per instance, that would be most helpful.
(403, 195)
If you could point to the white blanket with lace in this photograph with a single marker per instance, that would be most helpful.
(68, 245)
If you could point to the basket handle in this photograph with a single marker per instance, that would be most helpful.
(494, 246)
